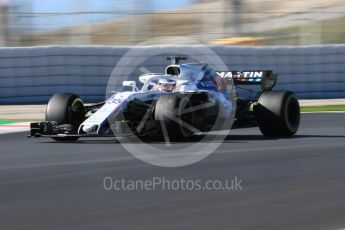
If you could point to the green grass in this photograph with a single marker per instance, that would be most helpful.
(323, 108)
(11, 121)
(5, 122)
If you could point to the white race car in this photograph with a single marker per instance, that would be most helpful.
(185, 99)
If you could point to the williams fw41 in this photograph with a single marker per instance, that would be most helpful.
(185, 99)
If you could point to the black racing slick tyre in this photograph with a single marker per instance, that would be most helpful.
(65, 108)
(170, 110)
(278, 113)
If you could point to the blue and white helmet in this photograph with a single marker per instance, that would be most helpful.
(166, 85)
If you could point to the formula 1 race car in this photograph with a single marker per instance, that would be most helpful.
(185, 99)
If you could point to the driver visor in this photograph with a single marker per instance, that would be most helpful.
(166, 87)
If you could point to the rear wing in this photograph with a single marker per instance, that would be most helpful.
(266, 78)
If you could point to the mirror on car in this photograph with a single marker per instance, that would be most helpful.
(131, 84)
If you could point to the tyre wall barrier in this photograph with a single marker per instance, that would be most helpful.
(31, 75)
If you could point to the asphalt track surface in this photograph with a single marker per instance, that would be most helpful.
(296, 183)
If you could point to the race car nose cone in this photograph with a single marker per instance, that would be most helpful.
(90, 128)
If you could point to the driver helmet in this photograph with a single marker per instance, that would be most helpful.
(166, 85)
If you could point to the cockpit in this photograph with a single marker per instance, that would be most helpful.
(152, 82)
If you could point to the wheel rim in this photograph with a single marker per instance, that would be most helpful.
(188, 117)
(77, 111)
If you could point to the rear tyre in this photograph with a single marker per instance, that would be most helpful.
(278, 113)
(66, 108)
(169, 110)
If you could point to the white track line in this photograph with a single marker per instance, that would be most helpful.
(14, 127)
(326, 112)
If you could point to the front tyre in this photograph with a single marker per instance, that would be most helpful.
(170, 111)
(66, 108)
(278, 113)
